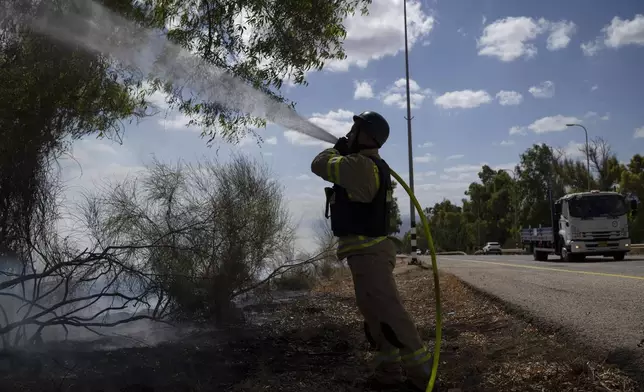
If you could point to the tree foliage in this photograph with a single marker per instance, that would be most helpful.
(395, 219)
(50, 94)
(262, 42)
(217, 229)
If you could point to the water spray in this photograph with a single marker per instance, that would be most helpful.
(148, 52)
(100, 30)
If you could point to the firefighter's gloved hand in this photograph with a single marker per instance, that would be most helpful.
(342, 145)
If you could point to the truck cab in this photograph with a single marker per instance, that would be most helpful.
(592, 223)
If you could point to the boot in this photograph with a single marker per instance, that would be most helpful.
(418, 377)
(388, 373)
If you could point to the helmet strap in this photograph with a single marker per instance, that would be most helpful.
(356, 146)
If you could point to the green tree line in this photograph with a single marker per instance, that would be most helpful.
(502, 202)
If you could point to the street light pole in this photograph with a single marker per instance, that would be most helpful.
(412, 215)
(587, 154)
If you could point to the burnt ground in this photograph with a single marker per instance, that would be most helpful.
(315, 343)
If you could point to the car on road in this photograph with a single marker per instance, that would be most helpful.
(492, 248)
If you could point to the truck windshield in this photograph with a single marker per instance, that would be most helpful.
(598, 206)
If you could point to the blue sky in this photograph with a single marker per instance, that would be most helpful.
(489, 79)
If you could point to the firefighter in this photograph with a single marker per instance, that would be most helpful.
(359, 204)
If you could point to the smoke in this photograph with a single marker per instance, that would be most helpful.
(21, 303)
(148, 51)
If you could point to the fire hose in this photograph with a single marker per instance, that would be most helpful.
(437, 292)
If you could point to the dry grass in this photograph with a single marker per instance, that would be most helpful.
(484, 348)
(315, 344)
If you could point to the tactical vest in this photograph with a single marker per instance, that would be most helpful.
(368, 219)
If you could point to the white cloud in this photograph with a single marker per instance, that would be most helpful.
(337, 122)
(303, 177)
(426, 145)
(176, 121)
(381, 32)
(594, 87)
(465, 168)
(590, 114)
(454, 157)
(513, 37)
(620, 32)
(504, 166)
(465, 99)
(444, 186)
(363, 90)
(271, 140)
(594, 116)
(508, 38)
(95, 173)
(559, 38)
(544, 90)
(552, 124)
(591, 48)
(87, 150)
(418, 174)
(396, 95)
(574, 149)
(517, 130)
(639, 133)
(507, 143)
(507, 98)
(426, 158)
(461, 171)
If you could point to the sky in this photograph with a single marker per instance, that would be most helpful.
(487, 78)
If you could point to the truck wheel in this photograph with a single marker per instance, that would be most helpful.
(619, 256)
(539, 256)
(568, 257)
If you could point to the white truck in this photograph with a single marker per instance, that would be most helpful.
(585, 224)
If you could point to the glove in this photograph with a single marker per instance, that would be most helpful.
(342, 145)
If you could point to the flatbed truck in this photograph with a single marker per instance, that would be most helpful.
(583, 224)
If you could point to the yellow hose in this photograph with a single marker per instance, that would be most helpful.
(437, 290)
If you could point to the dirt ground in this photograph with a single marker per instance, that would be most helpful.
(315, 343)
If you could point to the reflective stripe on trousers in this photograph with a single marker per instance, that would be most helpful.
(417, 358)
(356, 242)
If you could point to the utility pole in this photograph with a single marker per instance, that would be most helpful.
(412, 215)
(587, 154)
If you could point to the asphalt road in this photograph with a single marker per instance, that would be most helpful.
(600, 300)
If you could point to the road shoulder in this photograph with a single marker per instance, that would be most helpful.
(627, 360)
